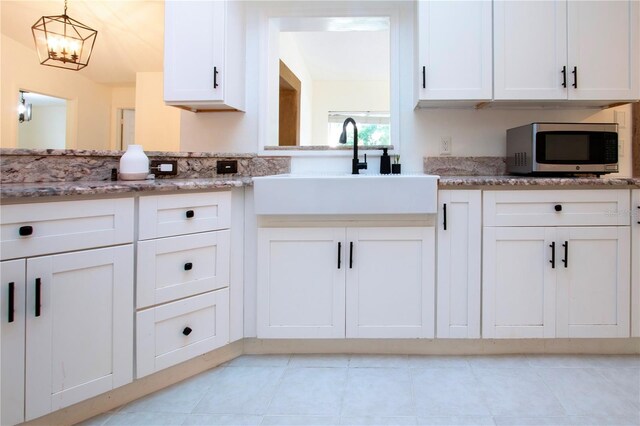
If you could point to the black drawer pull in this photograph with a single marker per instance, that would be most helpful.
(25, 230)
(187, 331)
(215, 77)
(424, 77)
(558, 207)
(339, 254)
(12, 290)
(351, 255)
(575, 77)
(188, 266)
(190, 214)
(38, 296)
(566, 254)
(553, 255)
(444, 211)
(564, 76)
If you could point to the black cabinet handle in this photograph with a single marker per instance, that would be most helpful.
(215, 77)
(188, 266)
(564, 76)
(190, 214)
(444, 211)
(566, 254)
(24, 231)
(558, 207)
(351, 255)
(575, 77)
(339, 254)
(187, 331)
(12, 290)
(639, 215)
(38, 296)
(424, 77)
(553, 255)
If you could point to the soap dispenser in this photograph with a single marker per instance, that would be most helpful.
(385, 162)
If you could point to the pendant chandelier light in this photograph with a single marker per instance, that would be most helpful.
(63, 42)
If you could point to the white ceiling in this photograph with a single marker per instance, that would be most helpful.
(130, 33)
(345, 55)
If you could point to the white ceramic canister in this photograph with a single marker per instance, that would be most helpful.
(134, 164)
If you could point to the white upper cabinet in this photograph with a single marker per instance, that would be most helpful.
(454, 50)
(530, 46)
(558, 50)
(604, 49)
(204, 55)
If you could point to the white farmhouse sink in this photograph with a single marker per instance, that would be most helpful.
(345, 194)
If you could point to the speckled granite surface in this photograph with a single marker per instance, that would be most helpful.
(327, 148)
(465, 166)
(23, 166)
(48, 189)
(530, 181)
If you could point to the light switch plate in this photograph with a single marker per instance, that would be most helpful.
(620, 148)
(445, 145)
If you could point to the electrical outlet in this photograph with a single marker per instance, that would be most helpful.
(227, 167)
(445, 145)
(164, 167)
(620, 148)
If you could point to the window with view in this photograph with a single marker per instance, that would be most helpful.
(373, 127)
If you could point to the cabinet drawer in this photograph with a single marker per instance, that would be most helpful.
(64, 226)
(556, 207)
(168, 215)
(163, 336)
(177, 267)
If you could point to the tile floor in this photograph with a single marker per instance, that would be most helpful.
(397, 390)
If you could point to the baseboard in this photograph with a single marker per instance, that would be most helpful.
(443, 346)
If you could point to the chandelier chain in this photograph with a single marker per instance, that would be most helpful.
(65, 7)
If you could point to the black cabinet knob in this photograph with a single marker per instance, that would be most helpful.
(188, 266)
(558, 207)
(190, 214)
(25, 231)
(187, 331)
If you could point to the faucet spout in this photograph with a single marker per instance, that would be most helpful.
(356, 165)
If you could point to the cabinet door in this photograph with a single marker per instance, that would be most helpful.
(12, 316)
(459, 244)
(604, 48)
(530, 39)
(80, 335)
(635, 263)
(390, 282)
(593, 282)
(301, 279)
(454, 42)
(194, 50)
(518, 282)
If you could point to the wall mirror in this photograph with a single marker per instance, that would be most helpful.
(322, 70)
(42, 121)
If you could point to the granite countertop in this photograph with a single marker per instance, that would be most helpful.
(46, 189)
(533, 181)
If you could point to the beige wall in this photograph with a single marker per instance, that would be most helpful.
(121, 98)
(88, 106)
(157, 125)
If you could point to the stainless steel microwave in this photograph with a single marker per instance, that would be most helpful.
(563, 148)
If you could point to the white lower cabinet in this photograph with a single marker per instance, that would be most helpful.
(183, 276)
(72, 325)
(459, 262)
(346, 282)
(555, 282)
(178, 331)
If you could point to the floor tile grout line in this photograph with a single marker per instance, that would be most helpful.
(275, 391)
(546, 385)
